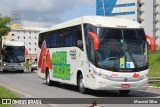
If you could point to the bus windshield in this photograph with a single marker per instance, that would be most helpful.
(14, 54)
(122, 49)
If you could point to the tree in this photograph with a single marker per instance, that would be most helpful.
(4, 29)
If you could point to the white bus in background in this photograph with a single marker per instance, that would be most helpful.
(95, 52)
(13, 56)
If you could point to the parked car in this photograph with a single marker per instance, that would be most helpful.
(34, 66)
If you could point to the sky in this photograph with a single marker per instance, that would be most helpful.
(46, 13)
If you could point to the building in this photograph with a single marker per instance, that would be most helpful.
(146, 12)
(29, 36)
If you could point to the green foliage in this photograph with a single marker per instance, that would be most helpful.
(4, 29)
(27, 66)
(5, 93)
(155, 84)
(154, 64)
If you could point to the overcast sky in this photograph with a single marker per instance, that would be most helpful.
(45, 13)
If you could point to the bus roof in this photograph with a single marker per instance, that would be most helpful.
(99, 21)
(13, 43)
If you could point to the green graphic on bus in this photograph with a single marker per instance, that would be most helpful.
(60, 67)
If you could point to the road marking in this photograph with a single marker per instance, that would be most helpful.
(24, 94)
(19, 92)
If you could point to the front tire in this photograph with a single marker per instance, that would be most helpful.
(124, 92)
(81, 86)
(48, 81)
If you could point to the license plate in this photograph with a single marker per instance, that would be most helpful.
(125, 85)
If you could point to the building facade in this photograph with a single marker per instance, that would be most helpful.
(146, 12)
(29, 36)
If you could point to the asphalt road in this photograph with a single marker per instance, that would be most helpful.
(30, 85)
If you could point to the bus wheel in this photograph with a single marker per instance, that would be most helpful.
(82, 89)
(124, 92)
(48, 81)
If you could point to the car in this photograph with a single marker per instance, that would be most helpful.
(34, 66)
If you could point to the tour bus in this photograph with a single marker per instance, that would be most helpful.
(96, 52)
(13, 56)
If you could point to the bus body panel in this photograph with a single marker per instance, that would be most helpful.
(114, 80)
(92, 75)
(13, 66)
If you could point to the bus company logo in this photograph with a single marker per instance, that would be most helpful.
(73, 54)
(125, 79)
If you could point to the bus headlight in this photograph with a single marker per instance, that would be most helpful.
(4, 64)
(101, 75)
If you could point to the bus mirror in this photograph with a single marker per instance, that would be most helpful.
(95, 40)
(152, 43)
(79, 43)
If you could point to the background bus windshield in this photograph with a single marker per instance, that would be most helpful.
(122, 49)
(14, 54)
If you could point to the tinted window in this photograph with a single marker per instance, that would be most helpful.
(66, 37)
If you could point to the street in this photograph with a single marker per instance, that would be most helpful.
(31, 86)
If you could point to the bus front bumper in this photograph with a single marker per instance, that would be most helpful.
(104, 84)
(13, 68)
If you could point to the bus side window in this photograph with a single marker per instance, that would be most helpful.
(79, 38)
(40, 40)
(89, 41)
(53, 39)
(91, 51)
(67, 39)
(58, 38)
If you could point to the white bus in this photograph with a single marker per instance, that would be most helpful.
(95, 52)
(13, 56)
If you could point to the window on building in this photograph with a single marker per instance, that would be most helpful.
(35, 43)
(29, 43)
(24, 37)
(100, 7)
(30, 49)
(35, 49)
(29, 32)
(35, 37)
(18, 37)
(29, 37)
(12, 34)
(107, 7)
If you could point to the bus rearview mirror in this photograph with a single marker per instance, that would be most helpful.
(79, 43)
(152, 43)
(95, 40)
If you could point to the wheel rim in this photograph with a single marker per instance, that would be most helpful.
(48, 79)
(81, 85)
